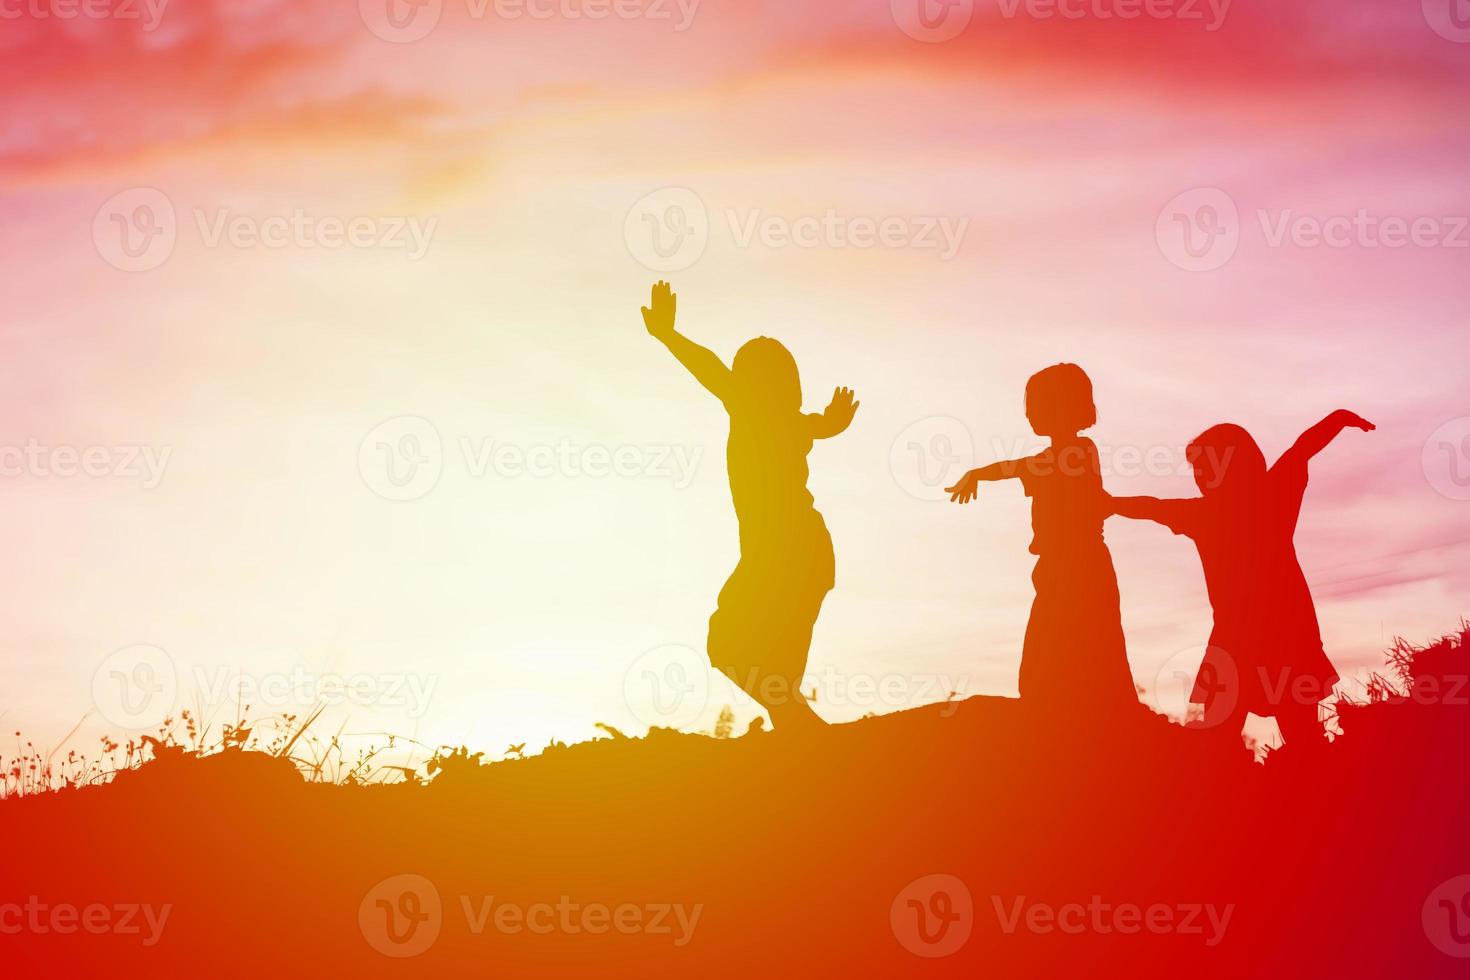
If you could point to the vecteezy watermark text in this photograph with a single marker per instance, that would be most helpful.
(1103, 918)
(935, 452)
(404, 458)
(137, 688)
(138, 229)
(143, 463)
(669, 686)
(402, 916)
(670, 229)
(937, 21)
(1210, 13)
(148, 12)
(407, 21)
(925, 233)
(41, 918)
(569, 917)
(305, 688)
(934, 916)
(1201, 229)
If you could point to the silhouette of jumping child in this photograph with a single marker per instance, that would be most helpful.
(1265, 652)
(1075, 658)
(761, 632)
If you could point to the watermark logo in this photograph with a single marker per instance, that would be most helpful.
(1446, 459)
(401, 916)
(402, 459)
(401, 21)
(305, 689)
(303, 230)
(933, 916)
(1199, 230)
(668, 686)
(1211, 695)
(136, 687)
(668, 230)
(1198, 676)
(932, 21)
(930, 455)
(1207, 466)
(1450, 19)
(136, 230)
(1446, 917)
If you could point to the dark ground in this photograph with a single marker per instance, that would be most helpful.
(794, 853)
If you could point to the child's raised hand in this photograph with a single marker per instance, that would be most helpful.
(966, 490)
(1356, 421)
(840, 410)
(658, 316)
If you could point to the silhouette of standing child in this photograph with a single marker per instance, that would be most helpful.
(761, 632)
(1075, 657)
(1265, 652)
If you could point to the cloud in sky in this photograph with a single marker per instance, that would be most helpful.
(79, 88)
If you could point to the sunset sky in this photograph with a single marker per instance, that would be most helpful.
(926, 221)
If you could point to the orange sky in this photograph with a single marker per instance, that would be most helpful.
(525, 152)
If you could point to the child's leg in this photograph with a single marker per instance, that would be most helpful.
(1224, 723)
(777, 692)
(791, 639)
(1223, 714)
(767, 662)
(788, 707)
(1301, 725)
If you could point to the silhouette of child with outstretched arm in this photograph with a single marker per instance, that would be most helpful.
(761, 632)
(1265, 653)
(1075, 658)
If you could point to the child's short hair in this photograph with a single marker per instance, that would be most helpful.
(1059, 400)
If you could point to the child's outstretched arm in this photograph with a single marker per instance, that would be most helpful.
(837, 417)
(704, 364)
(969, 485)
(1319, 436)
(1172, 513)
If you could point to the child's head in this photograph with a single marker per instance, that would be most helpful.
(1059, 401)
(765, 375)
(1226, 458)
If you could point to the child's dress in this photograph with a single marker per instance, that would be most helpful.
(1266, 642)
(763, 625)
(1075, 656)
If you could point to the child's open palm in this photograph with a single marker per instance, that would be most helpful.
(966, 490)
(840, 410)
(658, 316)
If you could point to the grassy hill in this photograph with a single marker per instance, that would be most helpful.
(1017, 845)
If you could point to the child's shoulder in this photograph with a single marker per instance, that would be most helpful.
(1081, 450)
